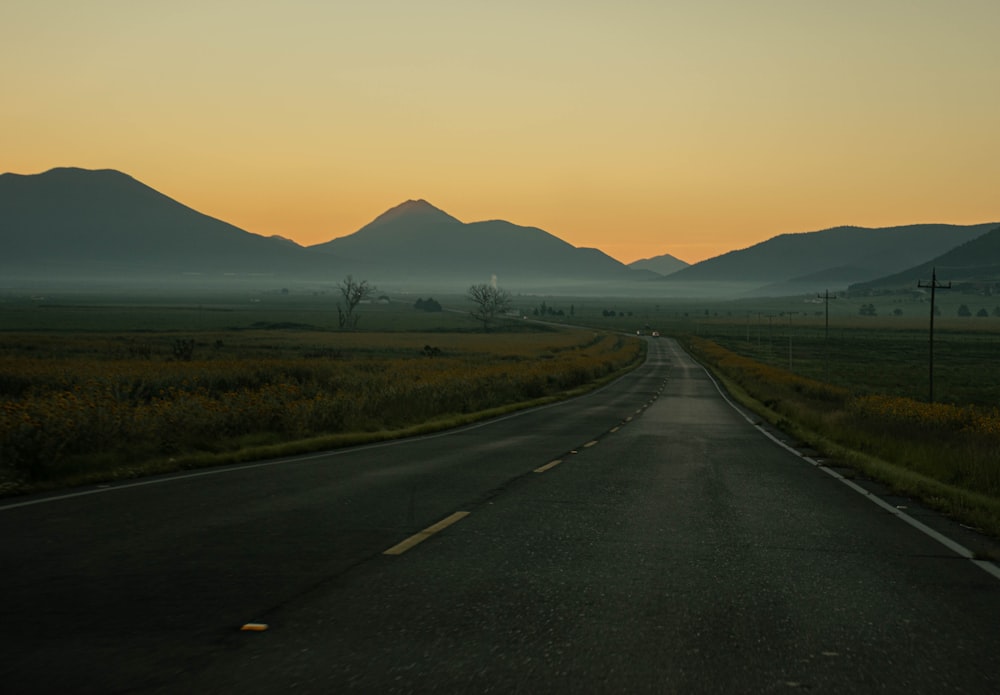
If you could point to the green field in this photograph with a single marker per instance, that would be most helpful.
(98, 387)
(115, 310)
(885, 353)
(247, 374)
(856, 387)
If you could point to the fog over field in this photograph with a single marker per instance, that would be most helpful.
(70, 227)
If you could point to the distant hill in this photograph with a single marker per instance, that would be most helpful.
(416, 240)
(827, 259)
(662, 265)
(73, 223)
(974, 262)
(286, 240)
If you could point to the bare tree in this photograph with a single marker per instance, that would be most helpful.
(490, 301)
(354, 292)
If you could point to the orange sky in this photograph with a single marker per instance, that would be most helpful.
(692, 127)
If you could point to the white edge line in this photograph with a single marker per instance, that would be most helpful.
(233, 468)
(985, 565)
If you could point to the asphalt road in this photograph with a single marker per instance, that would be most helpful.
(645, 538)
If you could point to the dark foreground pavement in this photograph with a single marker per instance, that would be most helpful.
(672, 548)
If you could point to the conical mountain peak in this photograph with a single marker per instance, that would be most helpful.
(413, 211)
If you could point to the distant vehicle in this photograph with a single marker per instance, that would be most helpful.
(656, 334)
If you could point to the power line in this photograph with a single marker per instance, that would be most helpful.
(934, 285)
(826, 335)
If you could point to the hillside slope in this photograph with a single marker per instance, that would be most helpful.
(83, 223)
(976, 261)
(834, 257)
(415, 239)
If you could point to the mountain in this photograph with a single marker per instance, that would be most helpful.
(418, 215)
(974, 262)
(71, 225)
(76, 223)
(416, 240)
(284, 239)
(827, 259)
(662, 265)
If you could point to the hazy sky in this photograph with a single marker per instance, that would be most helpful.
(690, 127)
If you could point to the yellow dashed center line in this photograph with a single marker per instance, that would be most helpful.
(420, 537)
(590, 444)
(547, 466)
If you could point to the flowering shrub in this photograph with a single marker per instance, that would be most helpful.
(53, 410)
(769, 384)
(955, 444)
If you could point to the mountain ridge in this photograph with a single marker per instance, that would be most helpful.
(412, 211)
(70, 223)
(417, 234)
(664, 264)
(77, 217)
(73, 222)
(809, 261)
(975, 261)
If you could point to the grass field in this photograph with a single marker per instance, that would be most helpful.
(945, 454)
(96, 387)
(231, 376)
(885, 353)
(857, 388)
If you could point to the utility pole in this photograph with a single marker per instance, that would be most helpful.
(826, 334)
(934, 285)
(790, 339)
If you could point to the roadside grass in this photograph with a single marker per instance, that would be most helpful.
(878, 360)
(830, 385)
(944, 454)
(87, 407)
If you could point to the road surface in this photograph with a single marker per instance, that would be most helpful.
(648, 537)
